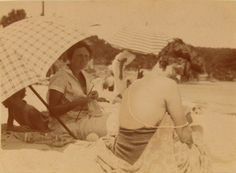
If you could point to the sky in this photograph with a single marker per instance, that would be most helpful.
(199, 23)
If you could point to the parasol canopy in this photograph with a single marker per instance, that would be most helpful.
(29, 47)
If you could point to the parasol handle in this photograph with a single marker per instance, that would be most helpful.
(83, 107)
(58, 119)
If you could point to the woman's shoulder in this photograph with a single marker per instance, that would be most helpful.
(60, 78)
(160, 80)
(63, 72)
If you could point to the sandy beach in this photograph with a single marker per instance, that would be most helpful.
(217, 103)
(181, 33)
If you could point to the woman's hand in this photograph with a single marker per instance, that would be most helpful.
(93, 95)
(81, 101)
(185, 135)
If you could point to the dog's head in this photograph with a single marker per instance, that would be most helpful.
(196, 110)
(109, 83)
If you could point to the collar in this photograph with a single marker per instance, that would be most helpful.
(69, 71)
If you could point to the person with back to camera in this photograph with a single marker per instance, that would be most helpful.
(154, 133)
(70, 96)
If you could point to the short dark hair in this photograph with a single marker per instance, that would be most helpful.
(80, 44)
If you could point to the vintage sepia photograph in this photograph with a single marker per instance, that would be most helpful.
(118, 86)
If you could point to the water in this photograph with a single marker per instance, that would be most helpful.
(218, 103)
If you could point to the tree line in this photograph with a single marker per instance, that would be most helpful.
(13, 16)
(218, 63)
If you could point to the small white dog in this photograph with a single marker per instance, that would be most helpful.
(116, 81)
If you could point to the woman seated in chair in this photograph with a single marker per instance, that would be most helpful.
(71, 98)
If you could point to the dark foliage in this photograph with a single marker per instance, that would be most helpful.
(13, 16)
(220, 63)
(104, 54)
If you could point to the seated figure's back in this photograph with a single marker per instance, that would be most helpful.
(142, 109)
(143, 103)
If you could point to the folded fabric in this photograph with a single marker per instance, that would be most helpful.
(50, 139)
(164, 153)
(130, 143)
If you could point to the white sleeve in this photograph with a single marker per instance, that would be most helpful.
(58, 82)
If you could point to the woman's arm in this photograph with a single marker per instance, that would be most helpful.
(10, 119)
(121, 68)
(57, 109)
(175, 109)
